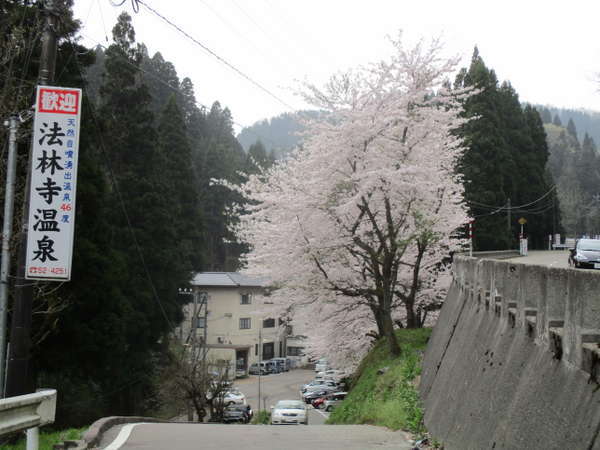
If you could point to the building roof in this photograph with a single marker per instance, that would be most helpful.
(226, 279)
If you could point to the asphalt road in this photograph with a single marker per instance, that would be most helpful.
(281, 386)
(180, 436)
(551, 258)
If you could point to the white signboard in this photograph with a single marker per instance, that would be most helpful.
(53, 183)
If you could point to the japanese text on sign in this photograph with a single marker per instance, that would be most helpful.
(53, 183)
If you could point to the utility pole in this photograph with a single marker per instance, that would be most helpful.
(9, 201)
(204, 341)
(259, 361)
(508, 223)
(18, 376)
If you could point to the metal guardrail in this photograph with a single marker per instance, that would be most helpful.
(27, 411)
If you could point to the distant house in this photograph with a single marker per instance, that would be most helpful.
(233, 320)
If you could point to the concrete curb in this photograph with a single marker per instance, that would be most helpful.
(91, 438)
(496, 254)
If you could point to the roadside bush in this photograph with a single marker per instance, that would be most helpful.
(263, 417)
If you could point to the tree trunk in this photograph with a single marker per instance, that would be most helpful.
(412, 321)
(389, 334)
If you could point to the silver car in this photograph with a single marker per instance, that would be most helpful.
(333, 400)
(586, 254)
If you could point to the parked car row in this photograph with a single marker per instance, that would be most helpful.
(273, 365)
(327, 389)
(329, 401)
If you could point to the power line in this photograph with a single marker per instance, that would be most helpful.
(177, 91)
(510, 208)
(215, 55)
(243, 39)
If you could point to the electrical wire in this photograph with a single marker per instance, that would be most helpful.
(177, 91)
(215, 55)
(281, 55)
(102, 18)
(511, 208)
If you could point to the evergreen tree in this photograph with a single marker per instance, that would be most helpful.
(484, 163)
(257, 158)
(556, 121)
(546, 115)
(505, 162)
(571, 128)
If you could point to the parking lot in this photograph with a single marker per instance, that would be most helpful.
(281, 386)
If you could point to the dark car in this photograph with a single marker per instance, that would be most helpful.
(237, 414)
(308, 397)
(585, 254)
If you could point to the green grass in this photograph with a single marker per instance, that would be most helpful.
(262, 418)
(390, 399)
(48, 439)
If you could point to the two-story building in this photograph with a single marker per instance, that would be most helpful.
(234, 320)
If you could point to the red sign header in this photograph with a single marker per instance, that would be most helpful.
(61, 101)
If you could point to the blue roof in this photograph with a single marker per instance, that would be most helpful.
(226, 279)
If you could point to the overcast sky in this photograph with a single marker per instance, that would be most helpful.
(548, 50)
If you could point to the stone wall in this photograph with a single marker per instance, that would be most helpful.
(513, 362)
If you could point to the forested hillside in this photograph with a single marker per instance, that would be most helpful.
(585, 121)
(279, 134)
(575, 165)
(147, 216)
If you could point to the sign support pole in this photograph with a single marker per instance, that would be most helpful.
(18, 376)
(9, 201)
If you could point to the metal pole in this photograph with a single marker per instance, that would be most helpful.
(204, 341)
(9, 201)
(33, 438)
(259, 360)
(194, 326)
(18, 376)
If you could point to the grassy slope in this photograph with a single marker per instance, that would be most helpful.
(47, 440)
(389, 399)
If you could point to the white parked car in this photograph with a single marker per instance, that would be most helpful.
(332, 374)
(234, 397)
(289, 412)
(318, 384)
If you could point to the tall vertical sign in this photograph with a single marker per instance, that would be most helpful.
(53, 183)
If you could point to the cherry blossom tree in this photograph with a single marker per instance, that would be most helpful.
(353, 227)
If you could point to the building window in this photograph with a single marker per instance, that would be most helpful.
(268, 350)
(281, 349)
(269, 323)
(245, 323)
(200, 322)
(245, 299)
(295, 351)
(256, 349)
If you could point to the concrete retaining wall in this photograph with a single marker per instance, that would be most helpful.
(513, 362)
